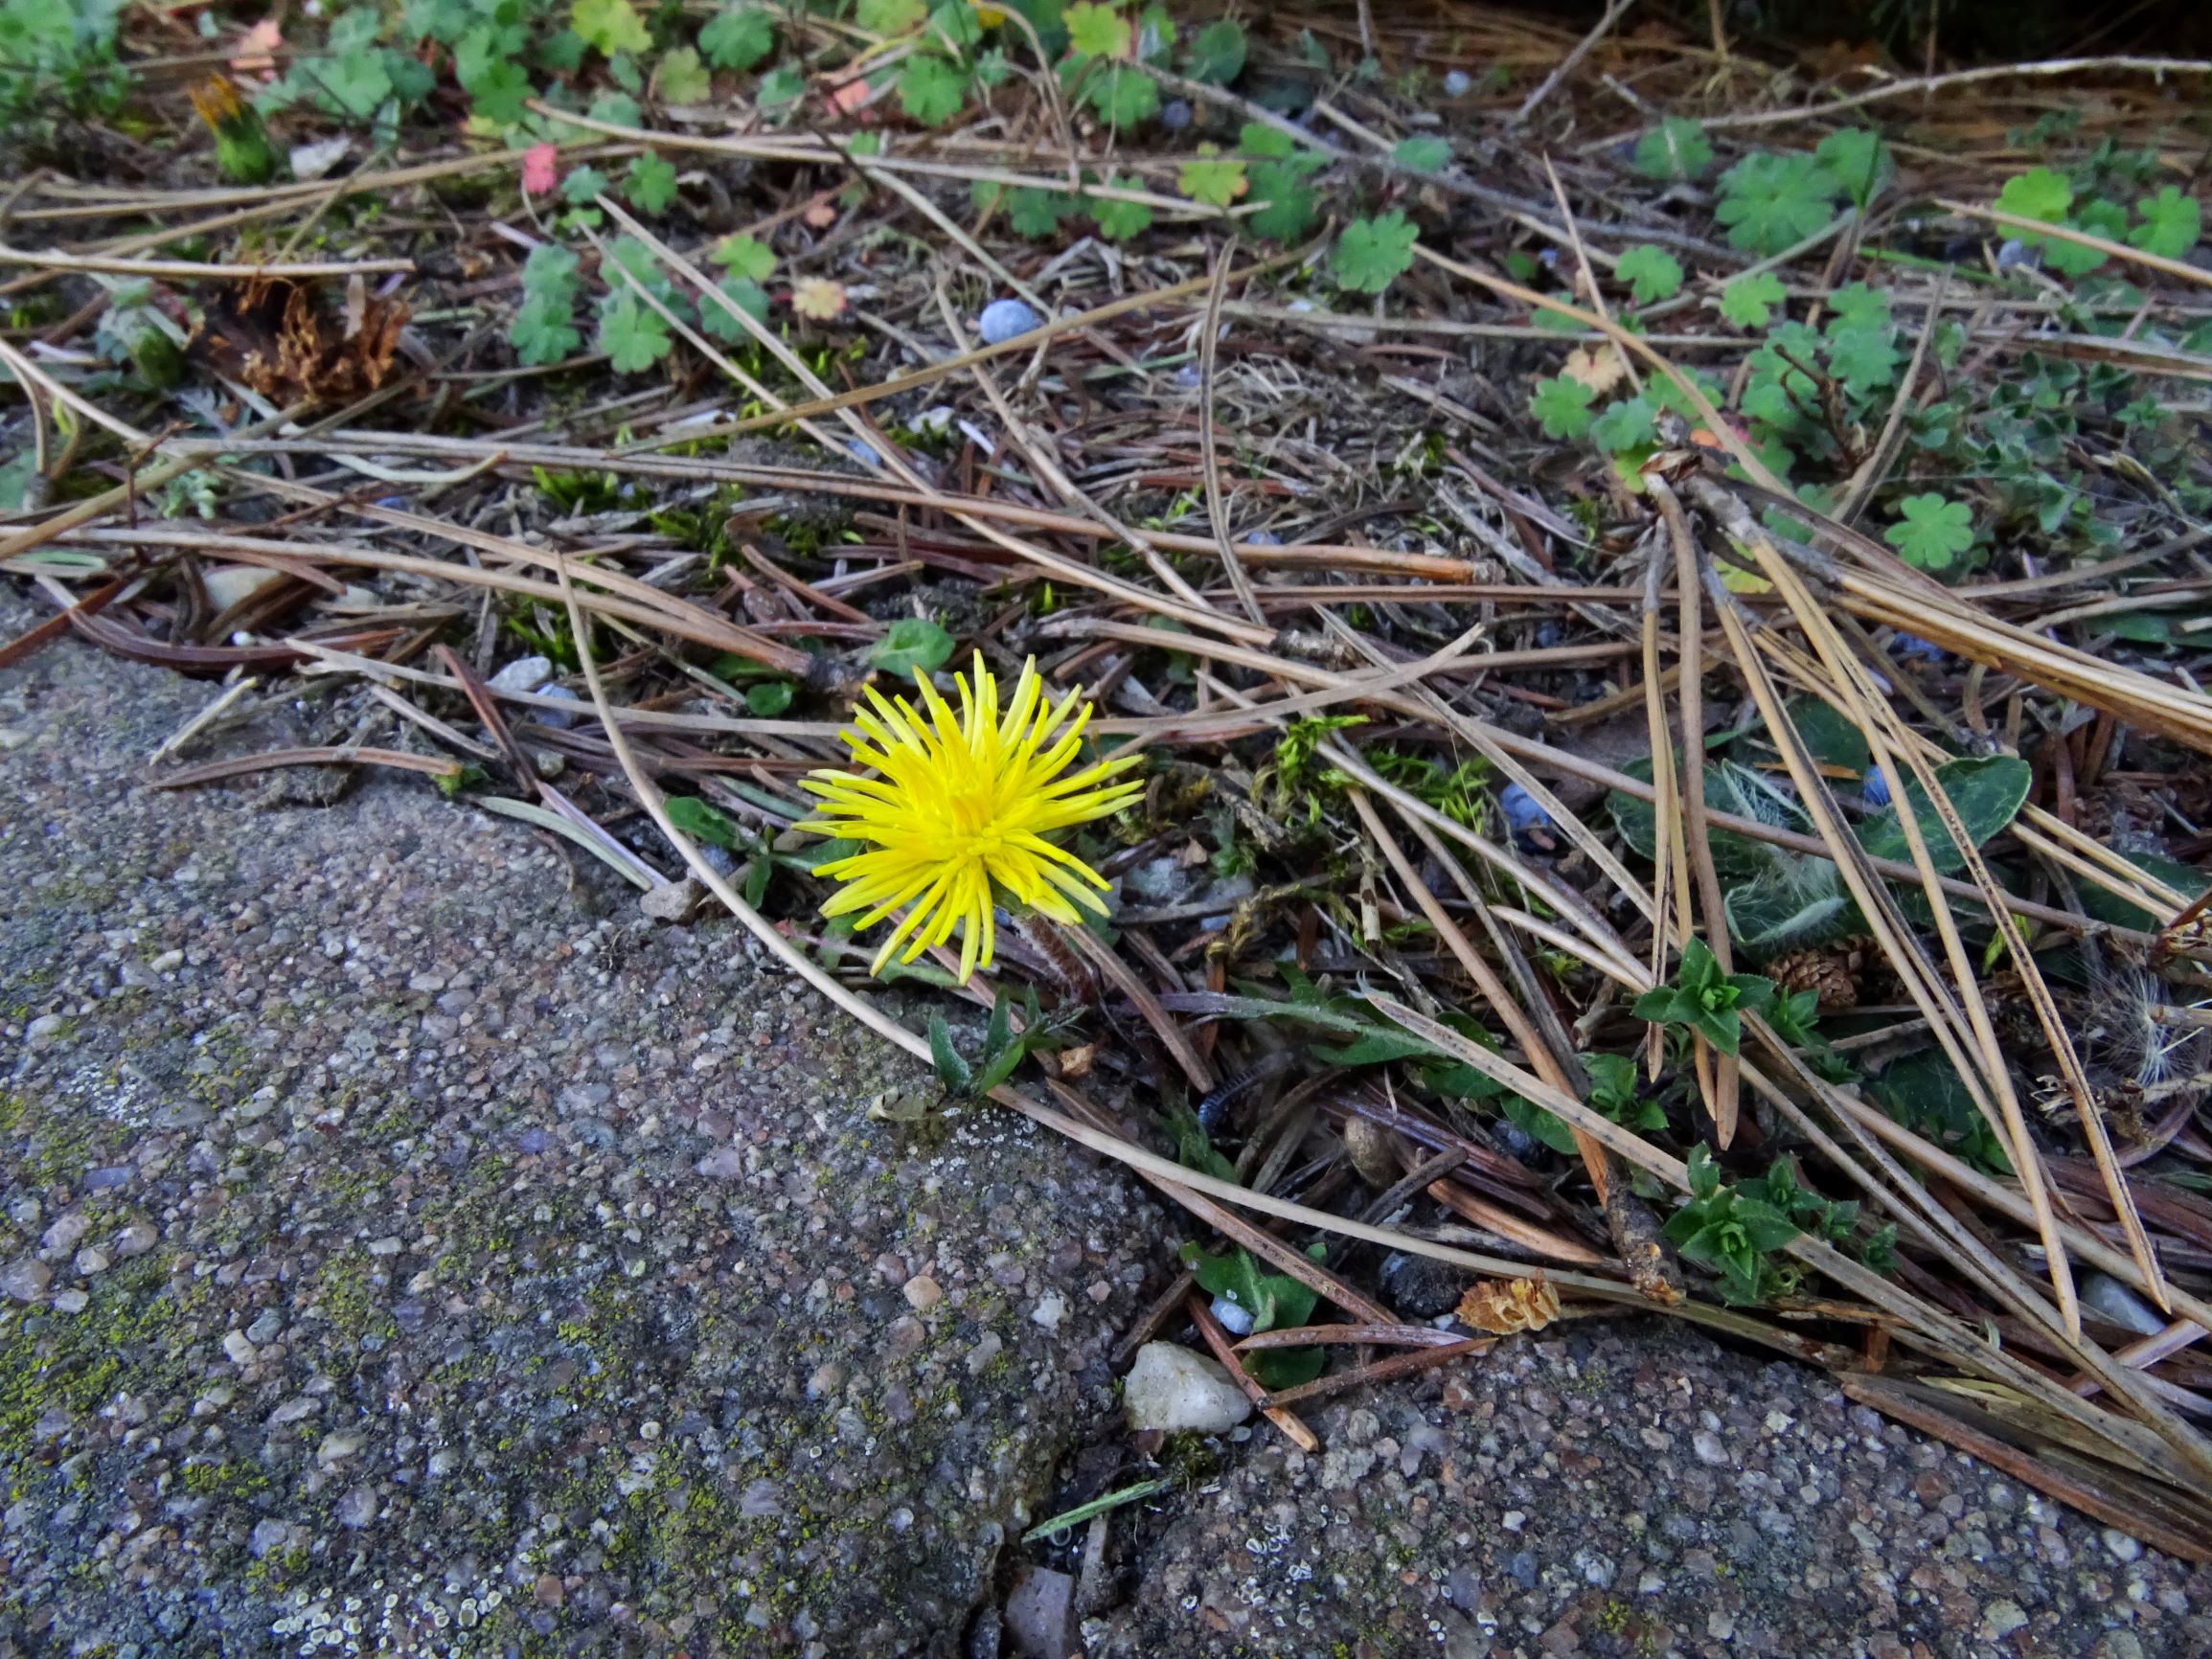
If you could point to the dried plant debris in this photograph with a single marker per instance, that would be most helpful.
(277, 337)
(1503, 1306)
(1657, 649)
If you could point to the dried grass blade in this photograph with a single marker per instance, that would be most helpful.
(1039, 453)
(1918, 1210)
(1671, 875)
(1880, 724)
(1209, 391)
(1493, 989)
(1695, 830)
(338, 755)
(592, 840)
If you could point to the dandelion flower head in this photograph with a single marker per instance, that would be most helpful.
(955, 812)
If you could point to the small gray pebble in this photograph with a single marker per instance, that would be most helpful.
(25, 1280)
(985, 1635)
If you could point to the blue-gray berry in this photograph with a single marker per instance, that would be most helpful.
(1003, 319)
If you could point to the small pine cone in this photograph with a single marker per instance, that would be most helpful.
(1829, 972)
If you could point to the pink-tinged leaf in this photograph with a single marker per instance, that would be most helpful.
(258, 48)
(818, 298)
(540, 168)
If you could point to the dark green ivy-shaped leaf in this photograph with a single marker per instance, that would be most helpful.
(1986, 791)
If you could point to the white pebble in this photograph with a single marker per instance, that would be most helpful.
(523, 674)
(1173, 1389)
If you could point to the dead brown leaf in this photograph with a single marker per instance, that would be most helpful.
(818, 298)
(1601, 369)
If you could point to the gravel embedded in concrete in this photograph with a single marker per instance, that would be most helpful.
(406, 1238)
(1625, 1488)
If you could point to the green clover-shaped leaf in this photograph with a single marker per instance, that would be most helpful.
(1653, 273)
(1750, 302)
(1931, 532)
(1373, 253)
(1562, 407)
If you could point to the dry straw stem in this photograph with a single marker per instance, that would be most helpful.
(1015, 346)
(518, 457)
(2178, 269)
(1927, 85)
(1532, 1043)
(198, 271)
(622, 597)
(821, 149)
(1209, 384)
(1543, 756)
(1486, 981)
(1695, 830)
(258, 203)
(1919, 1212)
(1037, 450)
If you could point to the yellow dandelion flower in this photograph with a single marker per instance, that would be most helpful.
(956, 812)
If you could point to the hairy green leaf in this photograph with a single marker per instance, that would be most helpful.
(1675, 149)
